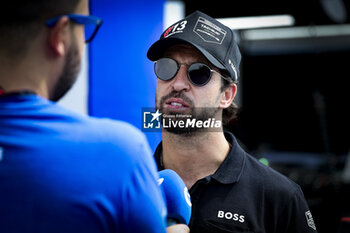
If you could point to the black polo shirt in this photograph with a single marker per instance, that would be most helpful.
(244, 195)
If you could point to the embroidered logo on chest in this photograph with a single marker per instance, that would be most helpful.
(231, 216)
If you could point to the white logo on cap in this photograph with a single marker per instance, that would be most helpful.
(208, 31)
(232, 67)
(177, 28)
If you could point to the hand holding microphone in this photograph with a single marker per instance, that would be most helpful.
(176, 196)
(178, 228)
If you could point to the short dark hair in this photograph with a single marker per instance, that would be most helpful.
(22, 20)
(229, 113)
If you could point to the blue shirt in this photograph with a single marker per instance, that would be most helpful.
(63, 172)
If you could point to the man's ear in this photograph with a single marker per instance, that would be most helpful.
(58, 36)
(227, 96)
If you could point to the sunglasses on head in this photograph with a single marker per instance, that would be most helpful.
(198, 73)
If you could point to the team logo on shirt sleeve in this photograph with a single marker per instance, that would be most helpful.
(310, 220)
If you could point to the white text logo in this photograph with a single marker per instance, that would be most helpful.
(231, 216)
(310, 220)
(177, 28)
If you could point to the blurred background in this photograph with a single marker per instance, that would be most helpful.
(293, 90)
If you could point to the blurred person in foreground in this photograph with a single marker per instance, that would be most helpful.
(61, 171)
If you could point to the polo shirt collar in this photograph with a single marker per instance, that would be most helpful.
(231, 168)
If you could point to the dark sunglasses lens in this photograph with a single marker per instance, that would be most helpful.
(165, 68)
(199, 74)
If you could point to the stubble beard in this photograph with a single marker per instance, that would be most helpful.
(69, 73)
(201, 114)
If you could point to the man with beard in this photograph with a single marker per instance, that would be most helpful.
(60, 171)
(197, 64)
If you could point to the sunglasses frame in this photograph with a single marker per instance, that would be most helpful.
(188, 70)
(79, 19)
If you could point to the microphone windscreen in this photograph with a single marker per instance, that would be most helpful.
(177, 197)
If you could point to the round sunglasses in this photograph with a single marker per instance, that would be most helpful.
(198, 73)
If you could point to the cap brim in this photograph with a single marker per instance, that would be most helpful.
(157, 50)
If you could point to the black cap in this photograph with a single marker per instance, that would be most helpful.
(213, 39)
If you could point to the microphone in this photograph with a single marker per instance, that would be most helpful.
(176, 196)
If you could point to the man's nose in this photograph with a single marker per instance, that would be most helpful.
(181, 81)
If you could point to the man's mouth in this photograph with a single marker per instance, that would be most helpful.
(176, 104)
